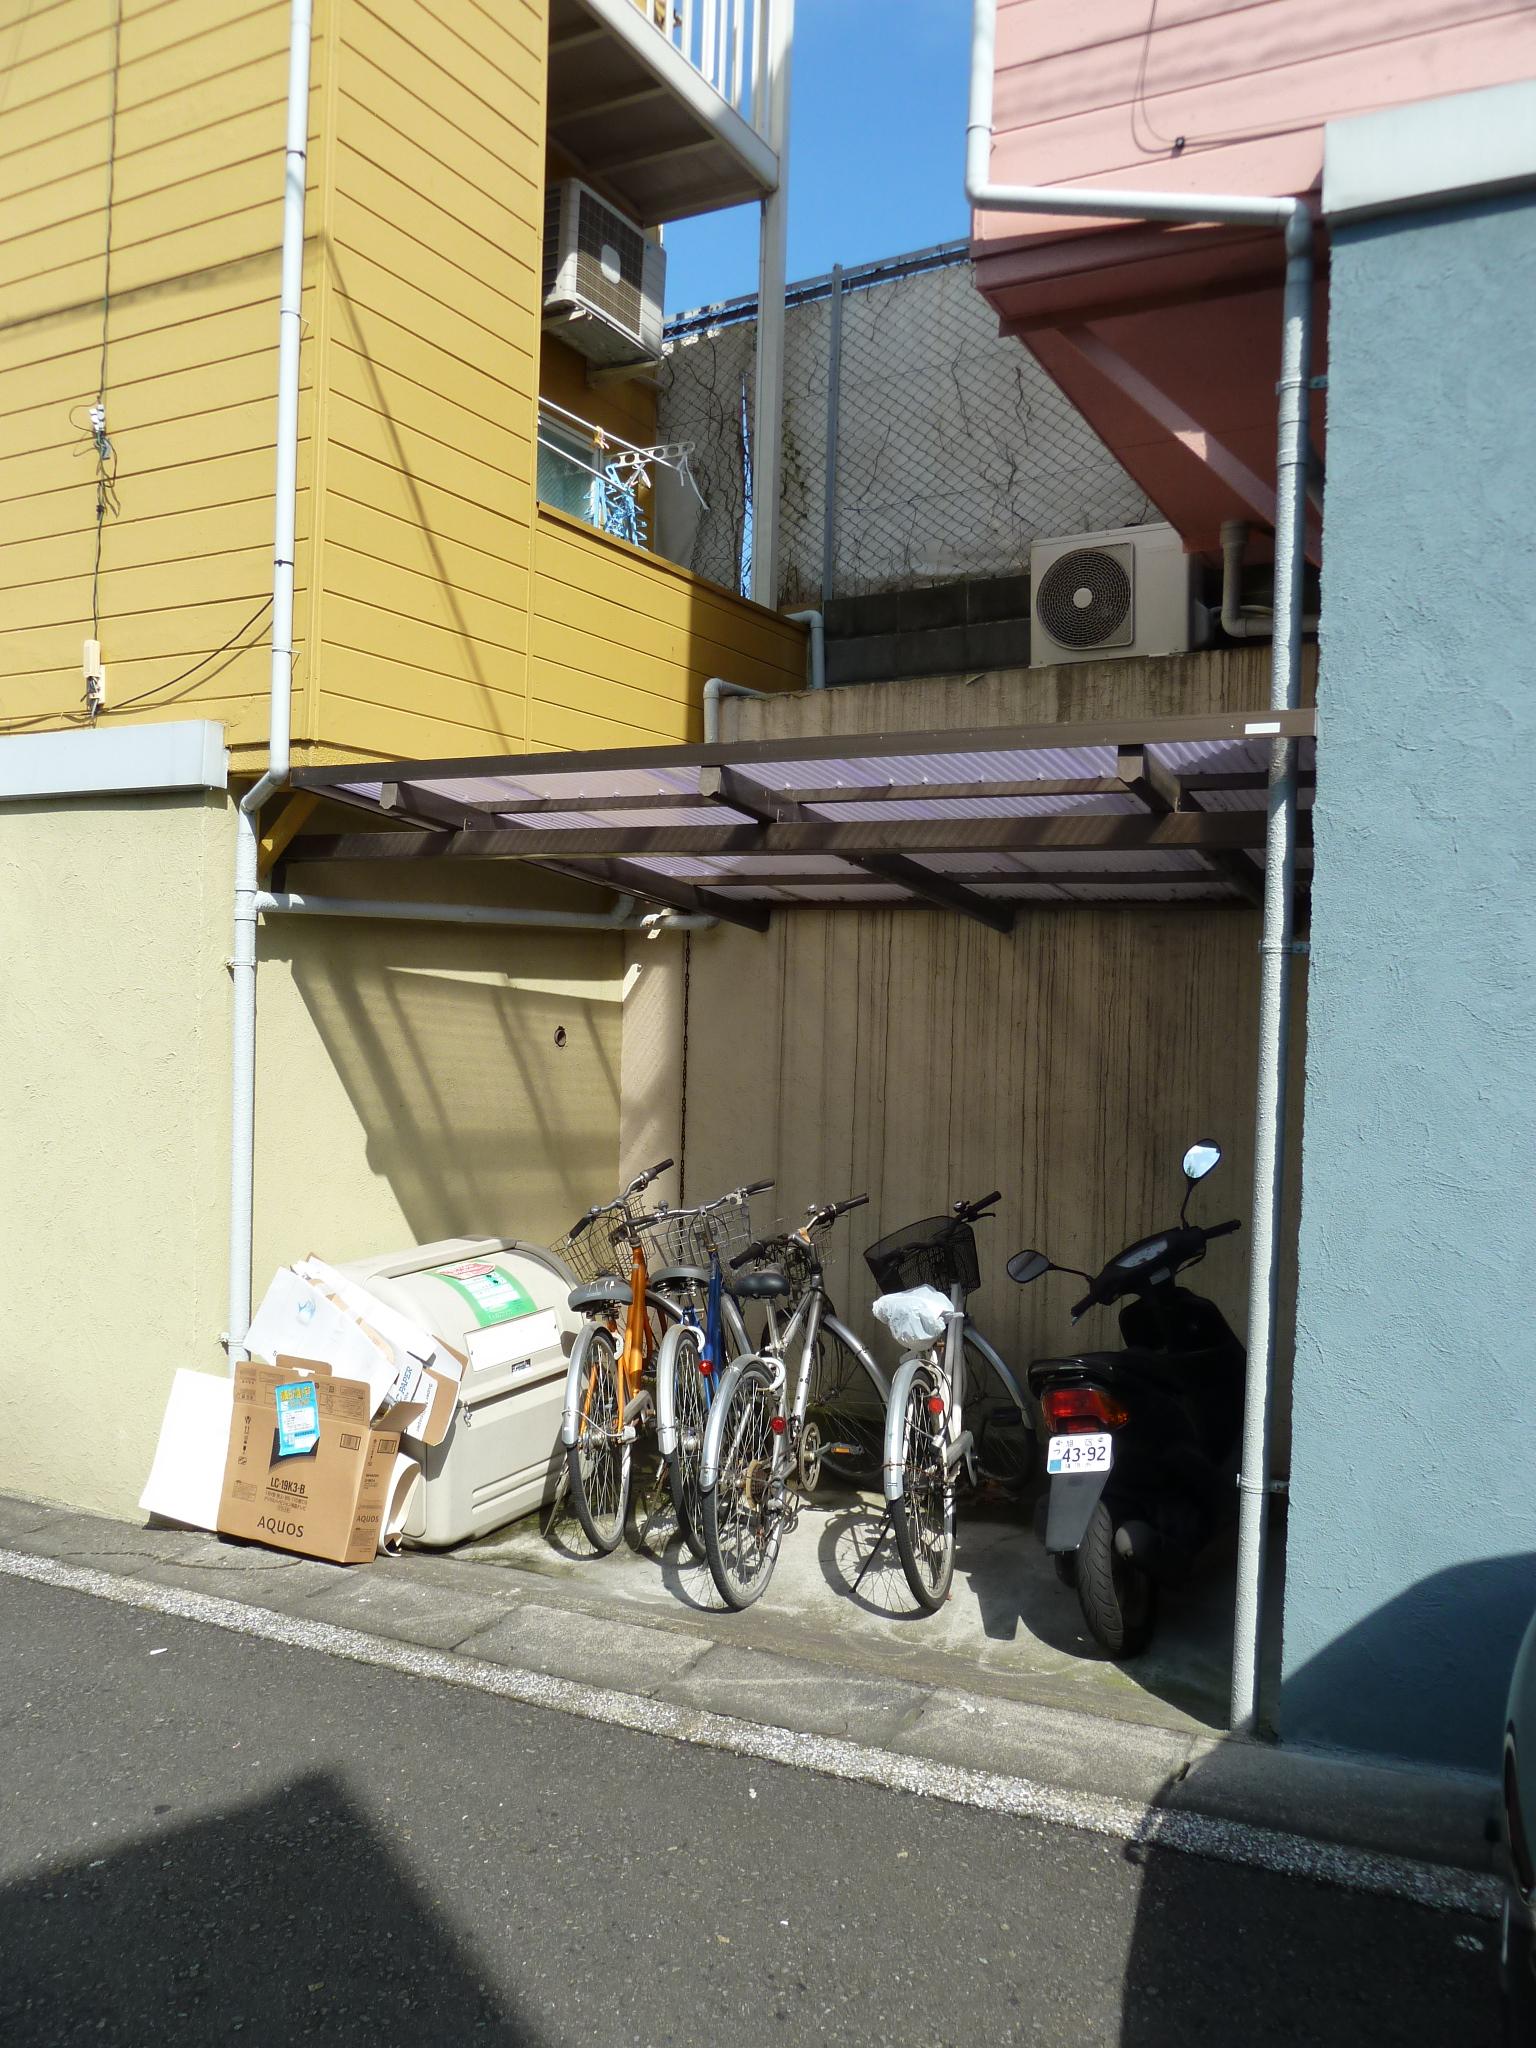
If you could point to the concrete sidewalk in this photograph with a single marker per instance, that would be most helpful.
(520, 1605)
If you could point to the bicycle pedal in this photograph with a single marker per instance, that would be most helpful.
(837, 1451)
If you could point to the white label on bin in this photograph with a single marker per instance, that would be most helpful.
(516, 1342)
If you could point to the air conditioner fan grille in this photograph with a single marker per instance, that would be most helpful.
(1084, 598)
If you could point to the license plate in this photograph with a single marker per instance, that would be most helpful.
(1079, 1453)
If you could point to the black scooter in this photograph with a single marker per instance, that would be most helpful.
(1143, 1451)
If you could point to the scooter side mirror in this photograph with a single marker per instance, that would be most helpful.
(1026, 1266)
(1200, 1159)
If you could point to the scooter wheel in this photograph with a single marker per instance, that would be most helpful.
(1118, 1599)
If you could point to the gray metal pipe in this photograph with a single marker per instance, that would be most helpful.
(622, 918)
(818, 626)
(1237, 623)
(1291, 215)
(716, 688)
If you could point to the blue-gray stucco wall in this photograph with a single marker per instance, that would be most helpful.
(1411, 1562)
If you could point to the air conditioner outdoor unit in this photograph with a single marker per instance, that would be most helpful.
(1094, 596)
(603, 281)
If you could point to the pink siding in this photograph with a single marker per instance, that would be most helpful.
(1099, 94)
(1167, 337)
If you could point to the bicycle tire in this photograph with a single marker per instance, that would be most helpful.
(742, 1511)
(599, 1464)
(924, 1515)
(842, 1402)
(685, 1400)
(1007, 1449)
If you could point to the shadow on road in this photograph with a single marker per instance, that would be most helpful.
(284, 1920)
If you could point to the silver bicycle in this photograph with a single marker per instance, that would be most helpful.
(689, 1248)
(935, 1427)
(763, 1447)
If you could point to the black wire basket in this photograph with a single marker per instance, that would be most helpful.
(938, 1252)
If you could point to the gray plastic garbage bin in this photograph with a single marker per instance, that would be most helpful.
(502, 1304)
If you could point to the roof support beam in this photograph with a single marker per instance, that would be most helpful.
(931, 887)
(1163, 794)
(667, 889)
(729, 786)
(1081, 832)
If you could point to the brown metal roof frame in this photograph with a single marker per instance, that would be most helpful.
(756, 819)
(985, 739)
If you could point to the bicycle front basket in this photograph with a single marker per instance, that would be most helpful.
(601, 1250)
(938, 1252)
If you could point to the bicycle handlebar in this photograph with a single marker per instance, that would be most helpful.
(972, 1212)
(1224, 1229)
(756, 1187)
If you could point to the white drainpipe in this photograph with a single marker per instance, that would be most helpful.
(247, 830)
(818, 628)
(1292, 217)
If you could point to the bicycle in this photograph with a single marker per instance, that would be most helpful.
(696, 1349)
(761, 1458)
(927, 1438)
(605, 1398)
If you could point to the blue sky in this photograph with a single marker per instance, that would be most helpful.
(877, 148)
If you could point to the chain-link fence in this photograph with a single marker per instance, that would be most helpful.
(951, 450)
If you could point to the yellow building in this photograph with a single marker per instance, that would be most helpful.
(440, 608)
(452, 594)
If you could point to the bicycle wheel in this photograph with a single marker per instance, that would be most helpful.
(743, 1512)
(1006, 1446)
(842, 1405)
(924, 1516)
(598, 1462)
(682, 1358)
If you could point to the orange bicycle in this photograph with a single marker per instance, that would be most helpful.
(607, 1398)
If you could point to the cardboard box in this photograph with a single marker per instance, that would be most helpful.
(342, 1500)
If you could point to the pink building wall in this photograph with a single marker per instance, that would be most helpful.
(1192, 96)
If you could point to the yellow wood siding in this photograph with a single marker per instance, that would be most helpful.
(190, 337)
(624, 642)
(435, 611)
(431, 376)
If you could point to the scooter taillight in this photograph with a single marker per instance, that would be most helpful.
(1075, 1411)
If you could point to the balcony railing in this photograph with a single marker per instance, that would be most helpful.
(719, 38)
(598, 477)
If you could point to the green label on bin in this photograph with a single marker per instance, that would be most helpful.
(494, 1294)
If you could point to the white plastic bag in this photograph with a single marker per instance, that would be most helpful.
(915, 1317)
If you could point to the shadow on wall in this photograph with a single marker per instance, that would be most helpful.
(285, 1919)
(1426, 1675)
(488, 1098)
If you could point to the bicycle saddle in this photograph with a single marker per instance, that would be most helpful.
(681, 1276)
(599, 1293)
(765, 1286)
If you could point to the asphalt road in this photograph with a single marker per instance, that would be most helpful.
(210, 1838)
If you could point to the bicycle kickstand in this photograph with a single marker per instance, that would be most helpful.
(887, 1525)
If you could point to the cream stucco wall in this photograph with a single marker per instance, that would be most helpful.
(409, 1087)
(114, 1082)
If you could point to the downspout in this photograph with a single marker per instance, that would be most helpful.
(247, 831)
(716, 688)
(818, 626)
(1276, 944)
(1237, 622)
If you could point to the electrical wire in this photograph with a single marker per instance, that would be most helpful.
(229, 647)
(106, 455)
